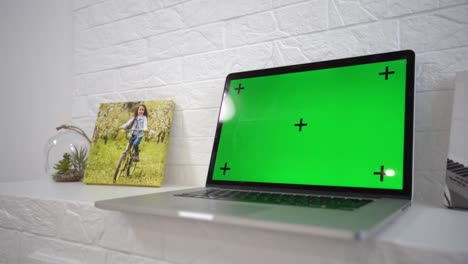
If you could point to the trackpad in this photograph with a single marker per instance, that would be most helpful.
(208, 209)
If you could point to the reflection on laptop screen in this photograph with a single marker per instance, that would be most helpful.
(341, 126)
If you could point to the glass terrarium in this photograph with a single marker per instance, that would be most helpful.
(66, 154)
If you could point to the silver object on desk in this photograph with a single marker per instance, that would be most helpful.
(456, 189)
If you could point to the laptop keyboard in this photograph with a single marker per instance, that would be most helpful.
(280, 199)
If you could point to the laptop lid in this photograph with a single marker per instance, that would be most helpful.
(341, 126)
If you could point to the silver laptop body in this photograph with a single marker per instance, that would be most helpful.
(340, 128)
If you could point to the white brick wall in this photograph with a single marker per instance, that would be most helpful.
(182, 50)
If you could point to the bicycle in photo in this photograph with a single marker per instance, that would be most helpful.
(127, 164)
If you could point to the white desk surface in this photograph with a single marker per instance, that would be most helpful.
(75, 191)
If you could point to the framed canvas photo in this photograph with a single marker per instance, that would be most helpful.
(129, 143)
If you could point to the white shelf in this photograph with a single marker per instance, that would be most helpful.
(75, 191)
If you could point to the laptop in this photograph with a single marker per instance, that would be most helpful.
(321, 148)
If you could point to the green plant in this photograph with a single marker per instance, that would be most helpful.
(79, 159)
(71, 167)
(64, 165)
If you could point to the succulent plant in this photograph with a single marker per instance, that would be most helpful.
(79, 158)
(64, 165)
(71, 167)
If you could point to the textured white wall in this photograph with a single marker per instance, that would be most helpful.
(35, 79)
(183, 49)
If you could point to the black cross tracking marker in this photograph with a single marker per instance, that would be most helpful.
(386, 73)
(238, 89)
(225, 168)
(300, 125)
(381, 173)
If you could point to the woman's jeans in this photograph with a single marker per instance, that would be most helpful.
(135, 141)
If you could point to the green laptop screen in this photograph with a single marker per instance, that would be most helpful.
(341, 126)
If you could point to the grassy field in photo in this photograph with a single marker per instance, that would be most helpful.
(104, 157)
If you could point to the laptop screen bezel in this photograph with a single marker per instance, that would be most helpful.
(405, 192)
